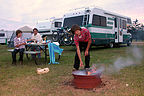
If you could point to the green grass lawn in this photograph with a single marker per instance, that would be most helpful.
(22, 80)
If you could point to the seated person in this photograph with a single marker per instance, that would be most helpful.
(19, 43)
(36, 37)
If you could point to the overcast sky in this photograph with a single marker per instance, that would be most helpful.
(28, 12)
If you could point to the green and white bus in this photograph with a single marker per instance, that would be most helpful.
(106, 28)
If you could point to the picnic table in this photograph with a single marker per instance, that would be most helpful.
(50, 47)
(42, 46)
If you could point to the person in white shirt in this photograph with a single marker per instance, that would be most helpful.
(36, 37)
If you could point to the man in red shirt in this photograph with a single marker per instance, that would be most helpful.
(82, 39)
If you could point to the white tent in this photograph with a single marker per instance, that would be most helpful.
(26, 29)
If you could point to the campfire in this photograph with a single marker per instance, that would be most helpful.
(92, 70)
(88, 78)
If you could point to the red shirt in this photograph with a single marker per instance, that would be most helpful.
(84, 37)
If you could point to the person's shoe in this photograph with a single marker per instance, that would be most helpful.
(13, 63)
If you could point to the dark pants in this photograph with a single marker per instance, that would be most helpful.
(21, 51)
(82, 46)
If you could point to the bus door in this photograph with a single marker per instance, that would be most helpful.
(118, 30)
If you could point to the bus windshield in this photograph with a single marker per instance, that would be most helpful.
(68, 22)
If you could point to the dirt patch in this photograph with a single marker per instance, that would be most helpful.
(108, 84)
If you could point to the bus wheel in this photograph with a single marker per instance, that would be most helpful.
(111, 45)
(55, 36)
(129, 43)
(116, 45)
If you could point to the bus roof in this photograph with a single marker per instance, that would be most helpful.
(81, 11)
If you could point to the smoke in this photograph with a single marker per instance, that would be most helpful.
(99, 71)
(135, 57)
(137, 53)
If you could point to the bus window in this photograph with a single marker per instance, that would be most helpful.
(96, 20)
(120, 23)
(103, 21)
(129, 21)
(115, 35)
(99, 20)
(58, 24)
(2, 34)
(124, 24)
(115, 20)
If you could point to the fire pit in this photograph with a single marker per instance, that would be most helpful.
(84, 80)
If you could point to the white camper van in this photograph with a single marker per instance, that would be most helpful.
(106, 28)
(5, 36)
(47, 27)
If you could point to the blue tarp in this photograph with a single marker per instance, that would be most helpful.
(52, 49)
